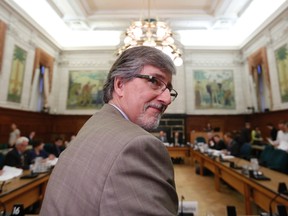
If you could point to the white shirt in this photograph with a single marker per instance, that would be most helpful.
(283, 146)
(283, 141)
(123, 114)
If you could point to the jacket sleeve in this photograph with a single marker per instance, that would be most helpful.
(141, 181)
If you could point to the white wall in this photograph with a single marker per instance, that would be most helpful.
(22, 34)
(272, 37)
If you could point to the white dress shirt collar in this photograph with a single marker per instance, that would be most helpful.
(123, 114)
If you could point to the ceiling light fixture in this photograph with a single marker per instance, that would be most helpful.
(153, 33)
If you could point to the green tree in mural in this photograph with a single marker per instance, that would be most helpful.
(19, 58)
(281, 56)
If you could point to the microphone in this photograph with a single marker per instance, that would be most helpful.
(3, 212)
(182, 213)
(231, 211)
(282, 211)
(282, 190)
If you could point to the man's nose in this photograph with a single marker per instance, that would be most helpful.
(165, 97)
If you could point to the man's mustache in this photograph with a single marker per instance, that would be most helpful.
(160, 107)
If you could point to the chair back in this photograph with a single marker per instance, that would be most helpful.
(275, 159)
(245, 151)
(265, 155)
(279, 161)
(200, 139)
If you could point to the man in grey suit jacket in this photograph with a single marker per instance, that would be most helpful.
(114, 166)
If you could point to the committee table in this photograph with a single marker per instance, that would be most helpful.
(179, 152)
(24, 191)
(258, 191)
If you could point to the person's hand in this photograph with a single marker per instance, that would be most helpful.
(51, 157)
(1, 172)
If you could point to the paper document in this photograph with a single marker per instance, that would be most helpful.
(10, 173)
(226, 157)
(52, 162)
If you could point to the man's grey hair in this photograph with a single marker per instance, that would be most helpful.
(132, 61)
(22, 139)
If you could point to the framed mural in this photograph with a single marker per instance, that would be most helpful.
(214, 89)
(17, 75)
(85, 89)
(282, 67)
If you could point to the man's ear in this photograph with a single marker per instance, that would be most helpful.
(118, 86)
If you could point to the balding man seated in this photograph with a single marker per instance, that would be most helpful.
(17, 156)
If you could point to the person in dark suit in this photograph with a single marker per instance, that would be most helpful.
(232, 147)
(17, 156)
(217, 143)
(114, 166)
(37, 151)
(55, 148)
(177, 139)
(245, 134)
(162, 136)
(273, 131)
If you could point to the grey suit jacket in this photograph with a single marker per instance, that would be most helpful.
(113, 167)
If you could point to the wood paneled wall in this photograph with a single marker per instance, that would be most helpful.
(229, 123)
(224, 122)
(48, 126)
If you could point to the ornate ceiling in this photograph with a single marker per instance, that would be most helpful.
(195, 23)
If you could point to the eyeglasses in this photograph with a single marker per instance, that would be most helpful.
(158, 85)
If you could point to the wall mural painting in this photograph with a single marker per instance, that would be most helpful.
(282, 67)
(17, 75)
(85, 89)
(214, 89)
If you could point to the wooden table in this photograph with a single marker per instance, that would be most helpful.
(259, 192)
(179, 152)
(24, 191)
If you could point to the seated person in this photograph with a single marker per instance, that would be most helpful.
(177, 139)
(283, 145)
(282, 137)
(37, 151)
(210, 141)
(208, 127)
(17, 157)
(162, 136)
(273, 131)
(56, 148)
(232, 147)
(216, 143)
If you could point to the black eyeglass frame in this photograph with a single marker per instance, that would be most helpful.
(173, 92)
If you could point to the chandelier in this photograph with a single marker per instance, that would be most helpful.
(154, 33)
